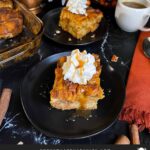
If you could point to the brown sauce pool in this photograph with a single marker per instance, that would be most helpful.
(134, 5)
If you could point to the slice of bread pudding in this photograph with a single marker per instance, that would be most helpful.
(67, 95)
(80, 25)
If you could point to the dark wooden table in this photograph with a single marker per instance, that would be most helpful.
(16, 127)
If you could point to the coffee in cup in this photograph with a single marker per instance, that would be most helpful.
(132, 15)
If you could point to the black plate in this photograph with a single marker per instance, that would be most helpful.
(51, 20)
(54, 123)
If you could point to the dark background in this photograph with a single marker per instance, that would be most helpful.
(17, 128)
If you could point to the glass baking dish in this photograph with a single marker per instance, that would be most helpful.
(25, 44)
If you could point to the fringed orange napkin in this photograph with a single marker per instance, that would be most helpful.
(137, 104)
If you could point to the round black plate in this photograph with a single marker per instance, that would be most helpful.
(54, 123)
(51, 20)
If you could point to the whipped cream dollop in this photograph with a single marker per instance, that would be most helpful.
(77, 6)
(79, 67)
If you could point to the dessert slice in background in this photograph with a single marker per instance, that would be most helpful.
(11, 23)
(6, 4)
(79, 19)
(11, 20)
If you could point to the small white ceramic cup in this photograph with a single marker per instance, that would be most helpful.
(132, 19)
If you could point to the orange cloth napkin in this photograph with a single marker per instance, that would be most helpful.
(137, 104)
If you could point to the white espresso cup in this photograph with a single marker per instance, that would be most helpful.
(132, 19)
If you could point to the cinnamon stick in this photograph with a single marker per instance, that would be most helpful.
(122, 140)
(4, 103)
(134, 133)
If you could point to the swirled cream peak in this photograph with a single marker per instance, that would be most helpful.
(79, 67)
(77, 6)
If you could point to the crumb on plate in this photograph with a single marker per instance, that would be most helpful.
(114, 58)
(58, 32)
(20, 143)
(69, 39)
(93, 36)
